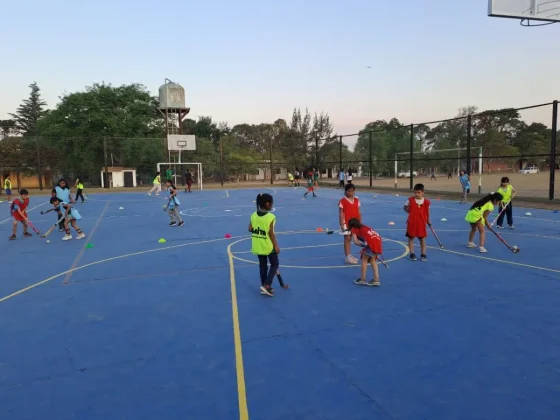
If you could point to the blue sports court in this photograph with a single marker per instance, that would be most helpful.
(134, 328)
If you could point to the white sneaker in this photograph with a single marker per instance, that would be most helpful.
(511, 227)
(351, 260)
(482, 250)
(471, 245)
(81, 236)
(66, 237)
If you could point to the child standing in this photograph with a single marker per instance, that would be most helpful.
(79, 190)
(348, 208)
(264, 243)
(465, 185)
(370, 252)
(310, 187)
(70, 217)
(477, 216)
(173, 205)
(18, 211)
(157, 184)
(8, 188)
(189, 180)
(508, 193)
(418, 209)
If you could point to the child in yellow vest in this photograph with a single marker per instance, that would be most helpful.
(477, 216)
(508, 192)
(79, 185)
(157, 184)
(264, 243)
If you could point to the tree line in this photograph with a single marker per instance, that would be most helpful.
(123, 124)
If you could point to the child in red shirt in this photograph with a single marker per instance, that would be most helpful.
(18, 211)
(348, 208)
(370, 240)
(418, 209)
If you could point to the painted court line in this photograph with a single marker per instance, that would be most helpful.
(239, 368)
(118, 257)
(535, 267)
(90, 237)
(31, 209)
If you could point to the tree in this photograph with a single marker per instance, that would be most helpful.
(121, 115)
(29, 112)
(7, 128)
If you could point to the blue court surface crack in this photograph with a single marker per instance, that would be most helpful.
(79, 370)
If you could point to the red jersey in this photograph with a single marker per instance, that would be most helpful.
(351, 209)
(418, 215)
(371, 237)
(18, 204)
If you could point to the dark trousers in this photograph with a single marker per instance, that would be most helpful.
(267, 275)
(80, 194)
(508, 213)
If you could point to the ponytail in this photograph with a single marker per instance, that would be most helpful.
(490, 197)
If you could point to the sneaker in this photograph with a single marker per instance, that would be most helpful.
(27, 234)
(172, 223)
(66, 237)
(61, 230)
(267, 290)
(81, 236)
(360, 282)
(350, 259)
(499, 227)
(511, 227)
(181, 223)
(471, 245)
(413, 257)
(423, 257)
(12, 238)
(482, 250)
(374, 283)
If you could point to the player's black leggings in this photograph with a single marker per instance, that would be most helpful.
(80, 194)
(268, 276)
(508, 213)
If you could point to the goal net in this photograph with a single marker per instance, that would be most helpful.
(179, 170)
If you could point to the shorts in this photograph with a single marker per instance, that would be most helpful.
(309, 189)
(8, 191)
(367, 251)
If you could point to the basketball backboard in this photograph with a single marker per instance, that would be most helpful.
(541, 10)
(180, 142)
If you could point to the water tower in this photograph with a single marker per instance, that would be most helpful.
(172, 107)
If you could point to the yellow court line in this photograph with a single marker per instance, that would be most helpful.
(81, 253)
(536, 267)
(241, 389)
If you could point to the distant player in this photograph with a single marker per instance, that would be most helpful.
(71, 215)
(173, 205)
(371, 242)
(310, 187)
(18, 211)
(508, 193)
(157, 184)
(418, 209)
(79, 185)
(8, 188)
(348, 208)
(188, 180)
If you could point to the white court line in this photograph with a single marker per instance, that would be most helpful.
(31, 209)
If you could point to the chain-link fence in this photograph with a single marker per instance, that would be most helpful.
(521, 144)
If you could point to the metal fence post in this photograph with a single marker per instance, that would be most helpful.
(553, 149)
(411, 156)
(469, 139)
(370, 159)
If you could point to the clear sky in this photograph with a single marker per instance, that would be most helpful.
(254, 61)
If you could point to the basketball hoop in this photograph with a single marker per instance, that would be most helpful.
(181, 144)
